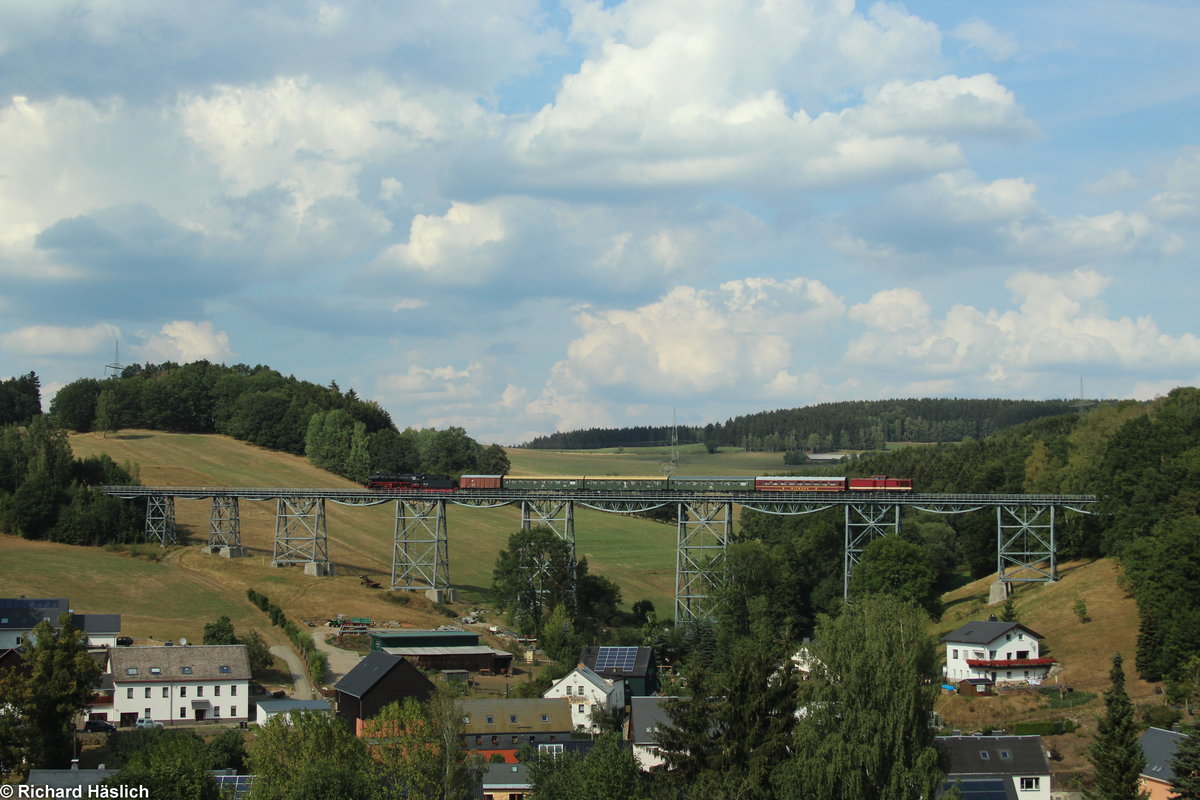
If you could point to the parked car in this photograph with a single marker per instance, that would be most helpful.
(98, 726)
(124, 641)
(145, 722)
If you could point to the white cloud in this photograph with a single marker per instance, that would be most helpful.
(52, 340)
(1180, 197)
(183, 341)
(693, 341)
(979, 35)
(452, 248)
(429, 383)
(948, 106)
(1060, 320)
(1121, 180)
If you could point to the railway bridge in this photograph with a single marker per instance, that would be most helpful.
(1025, 525)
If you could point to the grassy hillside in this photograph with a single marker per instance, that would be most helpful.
(176, 596)
(1084, 650)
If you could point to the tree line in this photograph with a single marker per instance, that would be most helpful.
(20, 399)
(337, 431)
(856, 425)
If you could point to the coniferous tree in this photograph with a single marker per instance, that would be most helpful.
(1186, 766)
(1115, 754)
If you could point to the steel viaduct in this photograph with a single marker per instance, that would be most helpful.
(1025, 525)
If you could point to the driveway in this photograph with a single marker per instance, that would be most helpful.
(303, 687)
(340, 661)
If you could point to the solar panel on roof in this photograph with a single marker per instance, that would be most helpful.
(978, 789)
(235, 786)
(616, 659)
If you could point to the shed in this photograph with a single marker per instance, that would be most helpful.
(378, 680)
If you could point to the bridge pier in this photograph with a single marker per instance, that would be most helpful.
(559, 517)
(300, 536)
(160, 519)
(865, 522)
(420, 549)
(703, 535)
(225, 528)
(1025, 544)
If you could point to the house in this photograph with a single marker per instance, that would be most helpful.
(585, 690)
(502, 726)
(198, 683)
(1003, 652)
(377, 681)
(20, 615)
(65, 782)
(996, 766)
(646, 716)
(443, 650)
(634, 665)
(1158, 745)
(506, 782)
(266, 709)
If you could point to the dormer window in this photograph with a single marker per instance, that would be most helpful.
(131, 671)
(185, 670)
(224, 669)
(156, 671)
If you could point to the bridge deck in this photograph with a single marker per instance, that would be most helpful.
(474, 496)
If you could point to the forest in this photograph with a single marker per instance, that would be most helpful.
(856, 425)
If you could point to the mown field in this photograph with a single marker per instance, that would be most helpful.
(694, 459)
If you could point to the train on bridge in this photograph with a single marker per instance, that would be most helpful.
(611, 483)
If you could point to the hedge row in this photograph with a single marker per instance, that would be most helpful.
(301, 639)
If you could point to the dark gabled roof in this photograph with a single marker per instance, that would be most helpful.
(508, 776)
(23, 614)
(976, 756)
(373, 668)
(985, 632)
(639, 663)
(1159, 746)
(646, 716)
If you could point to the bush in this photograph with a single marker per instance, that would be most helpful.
(317, 662)
(1045, 727)
(1155, 716)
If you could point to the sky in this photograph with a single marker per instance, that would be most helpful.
(522, 217)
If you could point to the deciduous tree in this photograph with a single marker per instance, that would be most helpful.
(864, 729)
(309, 755)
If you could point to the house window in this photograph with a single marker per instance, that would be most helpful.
(129, 694)
(580, 690)
(985, 755)
(954, 653)
(552, 749)
(466, 719)
(581, 708)
(516, 739)
(216, 691)
(183, 691)
(182, 712)
(131, 671)
(147, 691)
(233, 690)
(146, 714)
(512, 719)
(216, 711)
(1030, 784)
(185, 670)
(545, 717)
(156, 671)
(478, 741)
(224, 669)
(489, 719)
(233, 711)
(495, 740)
(199, 691)
(165, 690)
(568, 690)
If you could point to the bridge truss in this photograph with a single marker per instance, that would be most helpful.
(1025, 526)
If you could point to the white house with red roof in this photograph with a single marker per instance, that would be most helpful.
(996, 652)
